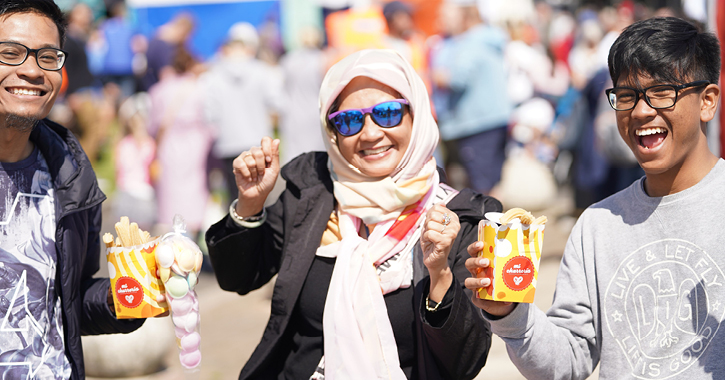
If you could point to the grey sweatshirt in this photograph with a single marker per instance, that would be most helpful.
(640, 289)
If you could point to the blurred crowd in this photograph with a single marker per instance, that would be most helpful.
(517, 88)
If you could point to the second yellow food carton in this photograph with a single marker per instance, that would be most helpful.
(514, 251)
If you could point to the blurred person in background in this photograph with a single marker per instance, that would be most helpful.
(80, 23)
(183, 142)
(375, 196)
(242, 94)
(602, 165)
(584, 59)
(134, 155)
(473, 119)
(299, 120)
(572, 109)
(78, 79)
(613, 20)
(162, 47)
(562, 32)
(529, 158)
(50, 213)
(403, 37)
(270, 47)
(537, 77)
(441, 51)
(531, 72)
(360, 26)
(118, 33)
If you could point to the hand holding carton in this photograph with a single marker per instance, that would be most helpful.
(512, 242)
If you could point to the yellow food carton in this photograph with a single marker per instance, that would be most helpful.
(514, 251)
(134, 282)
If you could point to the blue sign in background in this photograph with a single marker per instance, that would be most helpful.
(213, 20)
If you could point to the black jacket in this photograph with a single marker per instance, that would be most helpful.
(78, 222)
(246, 259)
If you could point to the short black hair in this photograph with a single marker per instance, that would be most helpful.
(46, 8)
(667, 50)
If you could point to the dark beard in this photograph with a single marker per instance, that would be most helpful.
(20, 123)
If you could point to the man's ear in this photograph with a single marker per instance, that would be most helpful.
(709, 100)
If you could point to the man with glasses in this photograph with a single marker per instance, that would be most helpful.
(640, 290)
(50, 214)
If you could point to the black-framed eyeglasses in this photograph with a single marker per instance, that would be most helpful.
(14, 54)
(658, 96)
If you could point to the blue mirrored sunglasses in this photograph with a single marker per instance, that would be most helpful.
(386, 114)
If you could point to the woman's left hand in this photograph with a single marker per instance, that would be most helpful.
(439, 231)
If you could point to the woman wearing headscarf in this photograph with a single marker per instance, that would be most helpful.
(368, 244)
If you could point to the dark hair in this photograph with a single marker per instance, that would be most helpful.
(667, 50)
(46, 8)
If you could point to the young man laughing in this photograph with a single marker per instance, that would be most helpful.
(640, 288)
(50, 213)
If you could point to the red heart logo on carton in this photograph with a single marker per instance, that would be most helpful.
(129, 292)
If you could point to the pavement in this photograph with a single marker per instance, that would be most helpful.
(232, 325)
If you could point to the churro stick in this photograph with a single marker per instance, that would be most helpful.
(125, 223)
(118, 242)
(135, 234)
(108, 240)
(122, 229)
(511, 214)
(540, 220)
(146, 236)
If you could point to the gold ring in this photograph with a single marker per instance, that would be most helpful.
(444, 228)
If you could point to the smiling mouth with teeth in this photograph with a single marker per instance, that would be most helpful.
(23, 91)
(370, 152)
(650, 137)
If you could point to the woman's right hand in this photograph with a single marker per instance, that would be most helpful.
(256, 171)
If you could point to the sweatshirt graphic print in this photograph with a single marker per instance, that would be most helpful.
(663, 306)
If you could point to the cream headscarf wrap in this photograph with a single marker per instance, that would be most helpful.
(359, 340)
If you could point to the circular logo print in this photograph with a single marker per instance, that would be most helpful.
(663, 307)
(129, 292)
(518, 273)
